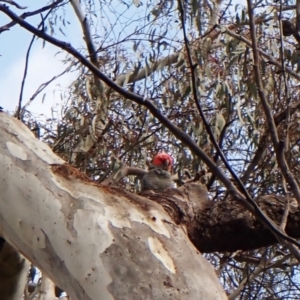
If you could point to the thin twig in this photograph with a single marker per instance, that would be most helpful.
(271, 123)
(285, 213)
(43, 86)
(123, 172)
(88, 39)
(241, 186)
(261, 148)
(270, 59)
(182, 136)
(14, 4)
(282, 163)
(284, 75)
(30, 14)
(17, 114)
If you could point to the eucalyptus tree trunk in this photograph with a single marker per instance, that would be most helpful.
(94, 242)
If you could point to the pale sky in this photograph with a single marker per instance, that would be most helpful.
(43, 63)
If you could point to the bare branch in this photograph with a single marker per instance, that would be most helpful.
(215, 14)
(264, 54)
(176, 57)
(182, 136)
(43, 86)
(269, 117)
(143, 73)
(248, 279)
(261, 148)
(123, 172)
(18, 112)
(14, 4)
(86, 31)
(30, 14)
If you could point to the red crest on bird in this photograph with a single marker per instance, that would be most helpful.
(163, 160)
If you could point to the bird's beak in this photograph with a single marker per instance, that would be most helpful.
(168, 166)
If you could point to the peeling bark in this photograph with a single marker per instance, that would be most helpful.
(227, 226)
(94, 242)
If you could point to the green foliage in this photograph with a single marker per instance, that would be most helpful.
(143, 50)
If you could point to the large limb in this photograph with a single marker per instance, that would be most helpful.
(92, 240)
(247, 201)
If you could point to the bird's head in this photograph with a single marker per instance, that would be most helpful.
(163, 161)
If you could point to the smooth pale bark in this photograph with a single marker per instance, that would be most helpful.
(94, 242)
(47, 289)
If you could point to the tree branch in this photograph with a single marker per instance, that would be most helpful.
(269, 117)
(271, 60)
(30, 14)
(83, 234)
(182, 136)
